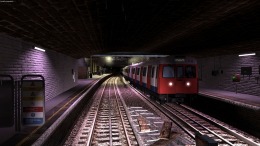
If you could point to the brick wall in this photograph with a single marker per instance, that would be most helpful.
(230, 64)
(18, 58)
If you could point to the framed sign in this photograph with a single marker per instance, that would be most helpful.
(33, 102)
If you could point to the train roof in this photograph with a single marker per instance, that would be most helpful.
(168, 60)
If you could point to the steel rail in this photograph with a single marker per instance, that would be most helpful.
(224, 128)
(207, 129)
(128, 116)
(110, 123)
(122, 119)
(95, 117)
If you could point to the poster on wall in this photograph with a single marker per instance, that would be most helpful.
(33, 102)
(246, 70)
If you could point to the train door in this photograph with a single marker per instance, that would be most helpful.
(141, 78)
(138, 75)
(144, 76)
(149, 77)
(154, 79)
(158, 78)
(133, 74)
(180, 80)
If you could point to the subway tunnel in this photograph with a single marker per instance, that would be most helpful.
(56, 55)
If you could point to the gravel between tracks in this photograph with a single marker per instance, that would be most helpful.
(132, 99)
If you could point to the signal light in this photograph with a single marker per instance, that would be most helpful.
(236, 78)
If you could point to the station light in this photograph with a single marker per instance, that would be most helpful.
(250, 54)
(39, 49)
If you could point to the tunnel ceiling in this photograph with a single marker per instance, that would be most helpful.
(81, 28)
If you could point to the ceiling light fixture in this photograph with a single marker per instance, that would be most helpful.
(250, 54)
(39, 49)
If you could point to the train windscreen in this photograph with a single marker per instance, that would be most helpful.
(190, 71)
(168, 72)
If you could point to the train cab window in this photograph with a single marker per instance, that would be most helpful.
(133, 71)
(168, 72)
(180, 72)
(190, 71)
(144, 71)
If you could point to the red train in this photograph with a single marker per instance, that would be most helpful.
(167, 79)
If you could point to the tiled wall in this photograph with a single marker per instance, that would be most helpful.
(18, 58)
(230, 64)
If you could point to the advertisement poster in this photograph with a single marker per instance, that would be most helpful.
(33, 103)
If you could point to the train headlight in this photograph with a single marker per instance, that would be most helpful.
(170, 83)
(188, 84)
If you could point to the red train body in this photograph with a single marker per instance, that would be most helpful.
(168, 79)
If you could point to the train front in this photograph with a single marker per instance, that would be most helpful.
(178, 80)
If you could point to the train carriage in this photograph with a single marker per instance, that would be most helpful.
(168, 79)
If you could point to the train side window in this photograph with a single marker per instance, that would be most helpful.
(138, 70)
(144, 71)
(153, 71)
(168, 72)
(179, 72)
(190, 71)
(133, 70)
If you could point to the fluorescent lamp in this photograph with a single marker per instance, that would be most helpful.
(40, 49)
(246, 54)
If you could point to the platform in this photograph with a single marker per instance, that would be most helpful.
(54, 108)
(245, 100)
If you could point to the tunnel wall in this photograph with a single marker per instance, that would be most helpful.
(19, 58)
(82, 69)
(230, 65)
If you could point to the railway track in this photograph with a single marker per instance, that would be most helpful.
(106, 123)
(204, 126)
(112, 119)
(192, 122)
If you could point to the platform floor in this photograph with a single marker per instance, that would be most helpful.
(239, 99)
